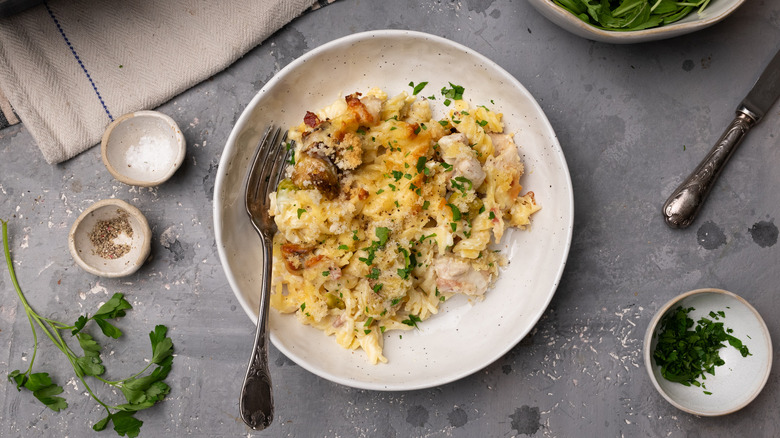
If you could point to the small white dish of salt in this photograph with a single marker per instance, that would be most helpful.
(143, 148)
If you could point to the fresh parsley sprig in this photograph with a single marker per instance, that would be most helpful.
(141, 391)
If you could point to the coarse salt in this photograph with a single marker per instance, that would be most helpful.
(151, 154)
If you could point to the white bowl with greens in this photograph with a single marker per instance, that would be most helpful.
(708, 352)
(634, 21)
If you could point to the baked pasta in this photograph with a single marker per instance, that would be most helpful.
(386, 212)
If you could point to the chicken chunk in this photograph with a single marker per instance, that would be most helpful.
(455, 152)
(454, 275)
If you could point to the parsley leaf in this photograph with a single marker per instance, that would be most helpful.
(141, 391)
(412, 321)
(417, 88)
(455, 92)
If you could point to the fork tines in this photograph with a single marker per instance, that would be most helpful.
(266, 169)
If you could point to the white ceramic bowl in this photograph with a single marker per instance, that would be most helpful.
(143, 148)
(84, 251)
(716, 11)
(740, 379)
(464, 337)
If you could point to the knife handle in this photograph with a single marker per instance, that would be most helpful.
(682, 206)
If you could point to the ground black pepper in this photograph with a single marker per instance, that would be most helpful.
(105, 231)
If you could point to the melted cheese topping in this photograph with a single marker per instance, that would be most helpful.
(389, 212)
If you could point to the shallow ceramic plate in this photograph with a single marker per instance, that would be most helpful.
(734, 384)
(464, 337)
(716, 11)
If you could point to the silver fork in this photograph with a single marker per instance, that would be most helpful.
(256, 402)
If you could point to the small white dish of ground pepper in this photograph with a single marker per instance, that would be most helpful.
(708, 352)
(110, 239)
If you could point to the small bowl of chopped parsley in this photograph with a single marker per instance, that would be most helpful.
(708, 352)
(634, 21)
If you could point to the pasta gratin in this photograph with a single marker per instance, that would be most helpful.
(385, 213)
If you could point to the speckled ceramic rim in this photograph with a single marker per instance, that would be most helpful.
(145, 244)
(228, 157)
(570, 22)
(180, 153)
(648, 354)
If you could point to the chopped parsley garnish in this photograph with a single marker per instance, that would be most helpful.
(446, 166)
(377, 287)
(482, 122)
(417, 88)
(460, 183)
(392, 187)
(383, 234)
(380, 191)
(354, 235)
(395, 301)
(454, 226)
(410, 261)
(408, 175)
(454, 93)
(300, 212)
(289, 147)
(421, 164)
(368, 321)
(343, 247)
(455, 212)
(303, 307)
(412, 321)
(685, 355)
(444, 122)
(374, 274)
(492, 215)
(426, 204)
(366, 331)
(325, 273)
(397, 174)
(430, 236)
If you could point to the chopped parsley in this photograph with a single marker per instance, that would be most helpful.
(685, 355)
(343, 247)
(421, 164)
(412, 321)
(374, 274)
(417, 88)
(325, 273)
(300, 212)
(383, 234)
(455, 212)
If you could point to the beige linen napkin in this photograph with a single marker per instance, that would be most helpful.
(69, 67)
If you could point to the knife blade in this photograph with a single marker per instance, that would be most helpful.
(682, 206)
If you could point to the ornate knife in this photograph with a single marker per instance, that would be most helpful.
(682, 206)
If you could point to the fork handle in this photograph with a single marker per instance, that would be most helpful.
(256, 400)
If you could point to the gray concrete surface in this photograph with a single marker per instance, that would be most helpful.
(632, 121)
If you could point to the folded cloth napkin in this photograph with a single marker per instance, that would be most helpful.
(69, 67)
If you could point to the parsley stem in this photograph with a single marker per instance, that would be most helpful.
(12, 273)
(33, 317)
